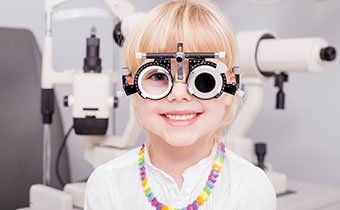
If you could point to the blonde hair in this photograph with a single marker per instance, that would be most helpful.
(198, 24)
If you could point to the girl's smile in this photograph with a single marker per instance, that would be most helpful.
(181, 118)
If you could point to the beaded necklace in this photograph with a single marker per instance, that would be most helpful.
(202, 196)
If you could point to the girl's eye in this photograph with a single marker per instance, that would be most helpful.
(158, 77)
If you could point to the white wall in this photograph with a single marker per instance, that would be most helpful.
(303, 140)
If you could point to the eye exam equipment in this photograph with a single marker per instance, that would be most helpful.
(205, 80)
(91, 100)
(261, 56)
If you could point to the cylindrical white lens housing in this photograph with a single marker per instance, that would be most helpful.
(291, 55)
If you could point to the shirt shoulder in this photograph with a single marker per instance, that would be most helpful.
(102, 186)
(252, 188)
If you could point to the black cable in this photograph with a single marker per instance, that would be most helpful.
(61, 148)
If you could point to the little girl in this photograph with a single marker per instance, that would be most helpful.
(183, 163)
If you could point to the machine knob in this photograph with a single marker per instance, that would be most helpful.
(118, 35)
(260, 151)
(65, 100)
(328, 54)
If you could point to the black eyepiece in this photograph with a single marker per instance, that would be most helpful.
(328, 54)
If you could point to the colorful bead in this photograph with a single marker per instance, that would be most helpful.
(154, 202)
(151, 197)
(199, 200)
(218, 163)
(210, 184)
(190, 207)
(203, 195)
(214, 173)
(220, 159)
(146, 187)
(195, 204)
(144, 181)
(217, 168)
(148, 191)
(220, 154)
(165, 207)
(212, 179)
(141, 165)
(207, 190)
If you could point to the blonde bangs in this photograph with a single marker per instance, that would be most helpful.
(198, 24)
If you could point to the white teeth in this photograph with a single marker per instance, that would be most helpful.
(180, 117)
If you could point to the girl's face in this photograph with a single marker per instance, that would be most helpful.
(181, 119)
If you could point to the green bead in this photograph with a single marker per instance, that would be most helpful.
(141, 160)
(220, 159)
(207, 190)
(148, 191)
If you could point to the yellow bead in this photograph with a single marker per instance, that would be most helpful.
(217, 168)
(218, 163)
(199, 200)
(204, 195)
(144, 182)
(165, 207)
(146, 187)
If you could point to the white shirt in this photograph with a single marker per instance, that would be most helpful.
(116, 185)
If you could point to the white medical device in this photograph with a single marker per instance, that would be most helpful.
(92, 100)
(263, 55)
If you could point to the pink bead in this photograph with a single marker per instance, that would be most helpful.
(212, 179)
(142, 176)
(220, 147)
(154, 202)
(190, 207)
(142, 170)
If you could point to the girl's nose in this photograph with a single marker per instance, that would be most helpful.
(179, 92)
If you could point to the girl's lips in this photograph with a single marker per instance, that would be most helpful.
(181, 123)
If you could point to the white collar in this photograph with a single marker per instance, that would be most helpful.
(192, 173)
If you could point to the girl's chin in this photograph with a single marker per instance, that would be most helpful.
(181, 142)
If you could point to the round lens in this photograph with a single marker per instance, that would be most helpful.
(154, 81)
(205, 82)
